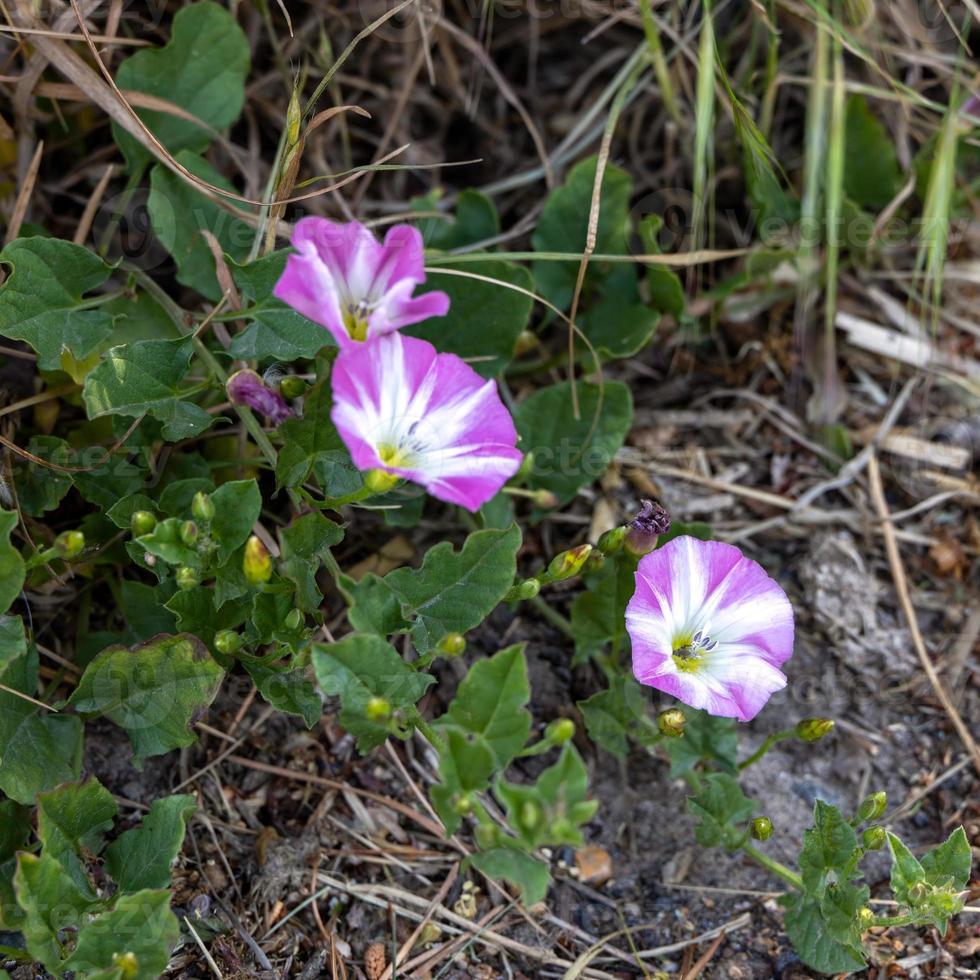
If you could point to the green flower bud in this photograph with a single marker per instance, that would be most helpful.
(227, 642)
(487, 836)
(562, 830)
(378, 709)
(918, 893)
(560, 730)
(293, 620)
(463, 804)
(142, 522)
(525, 343)
(257, 563)
(567, 564)
(380, 481)
(762, 828)
(671, 722)
(612, 541)
(68, 544)
(293, 386)
(451, 645)
(545, 499)
(814, 729)
(529, 816)
(527, 589)
(872, 807)
(202, 507)
(187, 578)
(866, 918)
(873, 838)
(189, 533)
(127, 964)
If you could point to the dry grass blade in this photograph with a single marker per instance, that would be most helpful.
(24, 193)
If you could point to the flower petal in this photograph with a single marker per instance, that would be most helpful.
(247, 388)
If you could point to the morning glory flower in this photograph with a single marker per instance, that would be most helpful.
(406, 411)
(343, 278)
(709, 627)
(247, 388)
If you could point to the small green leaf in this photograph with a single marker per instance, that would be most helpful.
(466, 764)
(830, 850)
(872, 176)
(372, 605)
(165, 542)
(529, 874)
(906, 870)
(202, 70)
(951, 859)
(490, 703)
(722, 809)
(570, 453)
(475, 220)
(597, 612)
(179, 214)
(152, 691)
(195, 613)
(276, 330)
(139, 925)
(41, 301)
(145, 378)
(454, 591)
(145, 609)
(361, 667)
(618, 326)
(807, 930)
(309, 439)
(42, 488)
(705, 739)
(237, 506)
(502, 313)
(15, 828)
(12, 569)
(141, 858)
(305, 543)
(288, 690)
(618, 714)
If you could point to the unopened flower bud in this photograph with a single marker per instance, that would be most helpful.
(814, 729)
(646, 528)
(525, 343)
(189, 533)
(257, 563)
(567, 564)
(247, 388)
(866, 918)
(463, 804)
(873, 838)
(293, 620)
(452, 645)
(202, 507)
(761, 828)
(227, 642)
(377, 709)
(380, 481)
(127, 964)
(873, 806)
(293, 386)
(671, 722)
(142, 522)
(612, 541)
(68, 544)
(487, 836)
(560, 730)
(545, 499)
(529, 816)
(918, 892)
(527, 589)
(187, 578)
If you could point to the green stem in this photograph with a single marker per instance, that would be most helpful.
(888, 921)
(658, 61)
(428, 732)
(775, 867)
(560, 622)
(770, 741)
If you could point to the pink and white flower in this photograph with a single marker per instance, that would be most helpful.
(709, 627)
(405, 410)
(343, 278)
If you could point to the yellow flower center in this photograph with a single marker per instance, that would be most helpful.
(394, 456)
(356, 320)
(691, 650)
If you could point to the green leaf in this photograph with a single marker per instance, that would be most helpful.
(15, 828)
(165, 542)
(309, 439)
(597, 613)
(830, 849)
(202, 70)
(563, 227)
(360, 667)
(179, 214)
(42, 488)
(72, 819)
(38, 748)
(906, 870)
(305, 544)
(141, 858)
(502, 314)
(12, 569)
(466, 764)
(872, 176)
(237, 506)
(454, 591)
(570, 453)
(145, 609)
(276, 330)
(51, 901)
(122, 511)
(665, 286)
(141, 925)
(145, 377)
(177, 497)
(618, 326)
(372, 605)
(195, 613)
(288, 690)
(807, 929)
(152, 691)
(475, 220)
(705, 739)
(951, 859)
(721, 808)
(490, 703)
(529, 874)
(41, 301)
(618, 714)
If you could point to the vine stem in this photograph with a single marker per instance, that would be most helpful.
(775, 867)
(427, 731)
(560, 622)
(770, 741)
